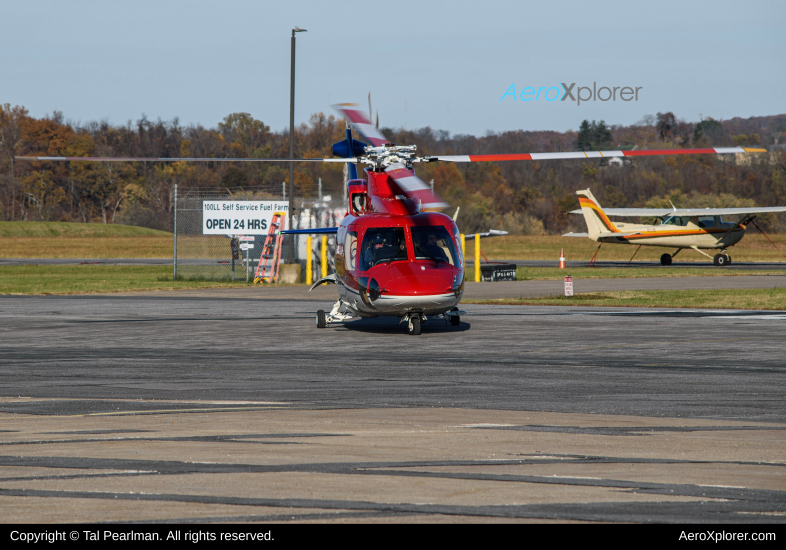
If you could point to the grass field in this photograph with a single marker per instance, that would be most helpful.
(68, 229)
(92, 240)
(81, 240)
(768, 299)
(754, 247)
(88, 279)
(555, 273)
(72, 240)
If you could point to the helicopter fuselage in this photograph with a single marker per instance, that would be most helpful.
(393, 260)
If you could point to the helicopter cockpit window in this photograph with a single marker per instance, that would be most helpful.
(383, 245)
(433, 242)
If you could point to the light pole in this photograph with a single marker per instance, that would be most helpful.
(291, 258)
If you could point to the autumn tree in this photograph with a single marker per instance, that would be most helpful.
(593, 136)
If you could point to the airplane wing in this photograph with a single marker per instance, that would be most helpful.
(727, 211)
(662, 212)
(649, 212)
(489, 233)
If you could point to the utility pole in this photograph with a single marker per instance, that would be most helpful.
(291, 257)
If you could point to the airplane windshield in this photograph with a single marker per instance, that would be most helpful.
(383, 245)
(433, 242)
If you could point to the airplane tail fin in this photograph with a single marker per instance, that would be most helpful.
(597, 221)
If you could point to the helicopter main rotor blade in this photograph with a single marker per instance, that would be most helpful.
(357, 118)
(145, 159)
(414, 187)
(594, 154)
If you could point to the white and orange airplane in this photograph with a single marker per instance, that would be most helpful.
(680, 228)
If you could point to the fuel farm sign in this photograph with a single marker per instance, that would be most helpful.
(240, 217)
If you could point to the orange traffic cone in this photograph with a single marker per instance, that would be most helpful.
(561, 259)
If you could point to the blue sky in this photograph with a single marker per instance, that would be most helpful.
(439, 64)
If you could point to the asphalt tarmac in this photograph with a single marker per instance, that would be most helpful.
(186, 408)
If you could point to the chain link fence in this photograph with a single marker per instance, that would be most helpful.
(209, 257)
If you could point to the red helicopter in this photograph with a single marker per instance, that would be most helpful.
(393, 256)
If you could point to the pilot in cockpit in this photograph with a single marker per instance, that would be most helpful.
(374, 253)
(429, 246)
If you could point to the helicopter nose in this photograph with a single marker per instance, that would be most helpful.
(420, 281)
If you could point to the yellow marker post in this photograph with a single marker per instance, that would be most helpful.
(323, 259)
(309, 260)
(477, 257)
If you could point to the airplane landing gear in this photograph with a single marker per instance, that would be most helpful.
(665, 259)
(720, 259)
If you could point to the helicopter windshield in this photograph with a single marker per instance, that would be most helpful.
(433, 242)
(383, 245)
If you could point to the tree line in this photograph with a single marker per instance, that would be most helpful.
(526, 197)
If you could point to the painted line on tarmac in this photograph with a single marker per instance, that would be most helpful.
(229, 438)
(170, 411)
(750, 317)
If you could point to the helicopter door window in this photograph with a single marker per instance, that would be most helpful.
(433, 242)
(351, 250)
(382, 245)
